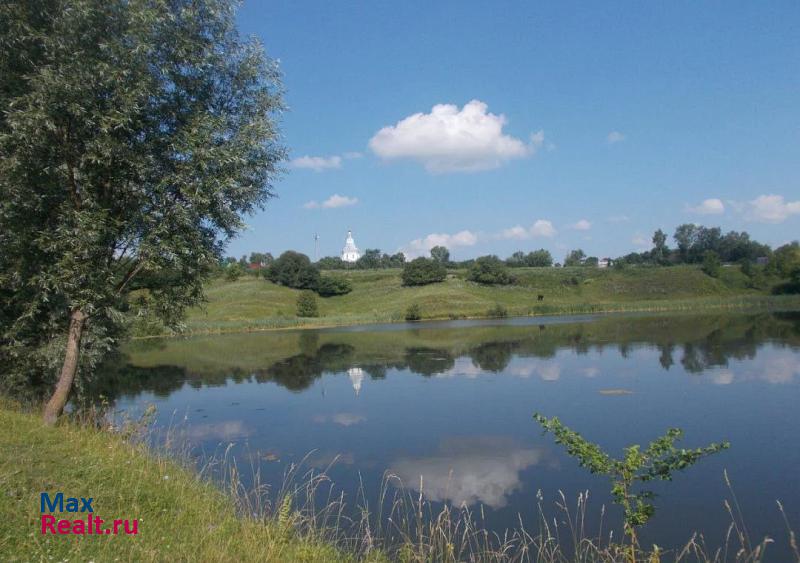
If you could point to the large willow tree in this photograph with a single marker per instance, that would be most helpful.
(134, 134)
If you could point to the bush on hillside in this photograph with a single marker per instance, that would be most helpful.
(233, 272)
(329, 286)
(490, 270)
(414, 312)
(497, 312)
(307, 304)
(711, 263)
(293, 269)
(422, 271)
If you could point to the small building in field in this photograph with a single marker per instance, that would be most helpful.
(604, 263)
(350, 252)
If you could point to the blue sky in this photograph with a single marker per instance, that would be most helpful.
(559, 125)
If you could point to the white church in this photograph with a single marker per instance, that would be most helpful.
(350, 252)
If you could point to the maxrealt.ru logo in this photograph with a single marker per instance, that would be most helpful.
(88, 524)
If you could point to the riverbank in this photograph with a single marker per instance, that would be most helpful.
(253, 304)
(180, 516)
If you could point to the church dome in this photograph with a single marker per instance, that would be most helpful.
(350, 252)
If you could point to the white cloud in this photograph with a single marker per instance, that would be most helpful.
(226, 430)
(422, 246)
(614, 137)
(348, 418)
(712, 206)
(466, 471)
(541, 228)
(582, 225)
(332, 202)
(451, 140)
(340, 418)
(770, 209)
(317, 163)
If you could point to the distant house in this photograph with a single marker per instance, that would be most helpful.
(255, 266)
(604, 263)
(762, 260)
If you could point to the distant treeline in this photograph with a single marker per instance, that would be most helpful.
(692, 243)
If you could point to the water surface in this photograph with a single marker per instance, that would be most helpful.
(449, 405)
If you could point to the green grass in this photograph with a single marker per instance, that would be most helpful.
(181, 517)
(378, 296)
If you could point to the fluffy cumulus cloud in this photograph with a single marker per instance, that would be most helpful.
(541, 228)
(422, 246)
(467, 471)
(449, 139)
(712, 206)
(770, 208)
(614, 137)
(332, 202)
(317, 163)
(582, 225)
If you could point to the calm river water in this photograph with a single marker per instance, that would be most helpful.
(452, 403)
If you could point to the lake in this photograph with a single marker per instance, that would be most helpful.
(452, 403)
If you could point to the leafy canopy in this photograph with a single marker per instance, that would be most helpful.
(133, 136)
(422, 271)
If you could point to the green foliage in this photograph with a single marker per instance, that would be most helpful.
(329, 286)
(133, 137)
(575, 258)
(233, 272)
(659, 460)
(537, 259)
(785, 260)
(660, 252)
(293, 269)
(413, 312)
(307, 304)
(440, 254)
(422, 271)
(497, 312)
(711, 264)
(490, 270)
(790, 287)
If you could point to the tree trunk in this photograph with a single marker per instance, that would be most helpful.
(55, 406)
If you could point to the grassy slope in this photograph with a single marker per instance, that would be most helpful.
(378, 296)
(181, 517)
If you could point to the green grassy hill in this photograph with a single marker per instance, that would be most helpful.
(378, 296)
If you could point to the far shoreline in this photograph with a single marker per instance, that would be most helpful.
(590, 311)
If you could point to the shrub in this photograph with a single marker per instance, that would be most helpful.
(233, 272)
(307, 304)
(414, 312)
(330, 286)
(490, 270)
(422, 271)
(293, 269)
(497, 312)
(790, 287)
(659, 460)
(711, 263)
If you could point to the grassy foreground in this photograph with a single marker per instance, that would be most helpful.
(379, 297)
(181, 517)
